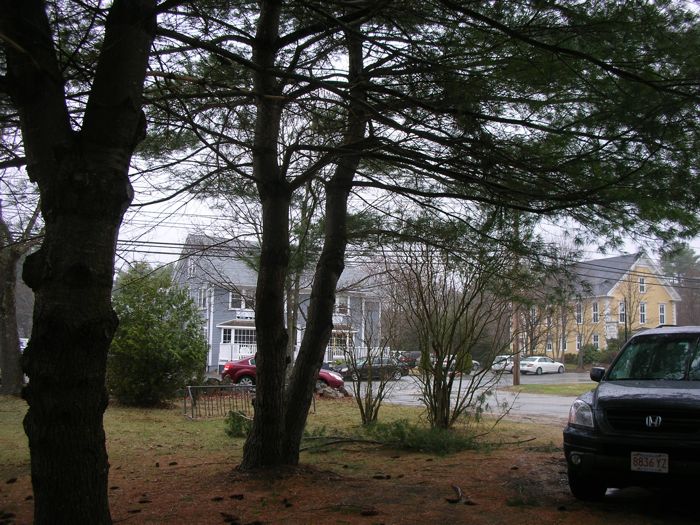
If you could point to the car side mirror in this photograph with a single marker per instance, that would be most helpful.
(597, 373)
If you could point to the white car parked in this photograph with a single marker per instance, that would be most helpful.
(540, 365)
(503, 363)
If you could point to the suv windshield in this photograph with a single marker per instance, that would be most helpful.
(659, 357)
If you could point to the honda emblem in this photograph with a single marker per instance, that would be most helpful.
(653, 421)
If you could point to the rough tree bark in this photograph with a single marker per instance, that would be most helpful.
(83, 182)
(9, 339)
(280, 415)
(12, 249)
(319, 324)
(263, 446)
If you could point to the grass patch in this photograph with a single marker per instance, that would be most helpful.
(138, 436)
(13, 442)
(548, 448)
(565, 389)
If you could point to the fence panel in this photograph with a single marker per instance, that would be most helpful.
(218, 400)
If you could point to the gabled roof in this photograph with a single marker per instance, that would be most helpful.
(225, 261)
(599, 277)
(233, 261)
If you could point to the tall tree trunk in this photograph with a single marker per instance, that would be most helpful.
(9, 338)
(330, 266)
(13, 246)
(84, 187)
(292, 294)
(263, 446)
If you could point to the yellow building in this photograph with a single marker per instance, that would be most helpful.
(616, 297)
(609, 298)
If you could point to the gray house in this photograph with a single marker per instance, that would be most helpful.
(221, 278)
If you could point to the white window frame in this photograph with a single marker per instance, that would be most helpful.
(246, 302)
(642, 313)
(340, 339)
(662, 313)
(596, 313)
(191, 267)
(563, 343)
(579, 313)
(342, 305)
(239, 297)
(226, 336)
(579, 340)
(202, 298)
(245, 336)
(621, 313)
(596, 341)
(642, 285)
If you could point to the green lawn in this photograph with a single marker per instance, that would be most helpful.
(564, 389)
(134, 433)
(166, 432)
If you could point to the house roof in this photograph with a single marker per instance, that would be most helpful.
(234, 261)
(225, 261)
(599, 277)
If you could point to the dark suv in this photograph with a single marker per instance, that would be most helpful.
(641, 425)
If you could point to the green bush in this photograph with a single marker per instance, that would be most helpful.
(158, 347)
(237, 425)
(403, 434)
(607, 355)
(570, 359)
(591, 354)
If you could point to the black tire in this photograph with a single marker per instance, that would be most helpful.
(538, 371)
(561, 370)
(246, 381)
(397, 375)
(584, 488)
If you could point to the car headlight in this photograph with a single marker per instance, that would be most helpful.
(581, 414)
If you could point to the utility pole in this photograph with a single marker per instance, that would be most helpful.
(516, 346)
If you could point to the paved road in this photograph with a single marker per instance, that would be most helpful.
(534, 407)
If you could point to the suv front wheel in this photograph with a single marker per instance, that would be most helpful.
(584, 488)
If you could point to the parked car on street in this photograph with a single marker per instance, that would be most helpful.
(242, 372)
(641, 424)
(451, 363)
(540, 365)
(503, 363)
(410, 359)
(377, 368)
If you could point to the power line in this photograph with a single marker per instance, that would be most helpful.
(357, 257)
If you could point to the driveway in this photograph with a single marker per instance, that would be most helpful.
(529, 407)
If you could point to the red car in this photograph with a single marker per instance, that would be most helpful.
(243, 373)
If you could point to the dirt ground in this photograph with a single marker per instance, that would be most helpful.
(514, 484)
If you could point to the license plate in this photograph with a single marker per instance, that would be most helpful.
(648, 462)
